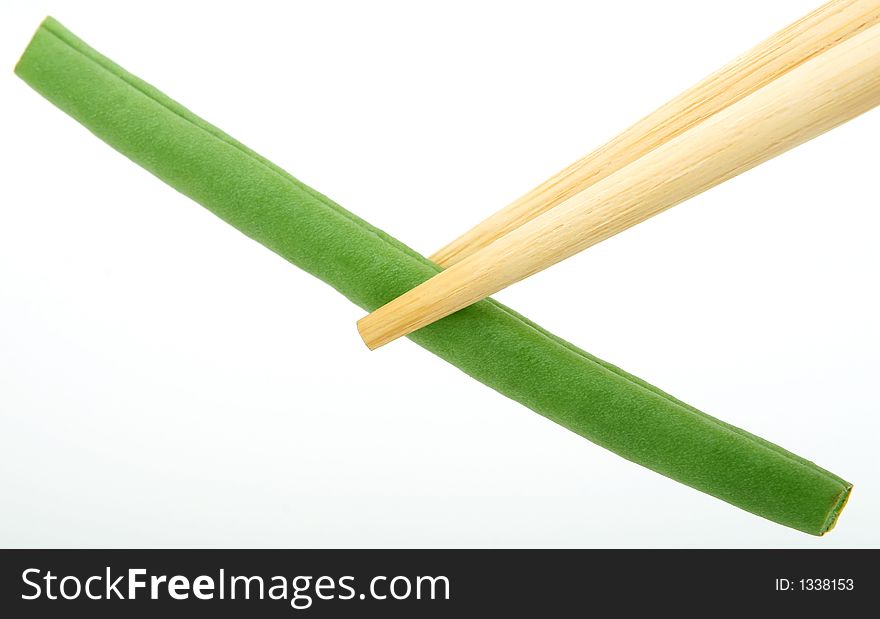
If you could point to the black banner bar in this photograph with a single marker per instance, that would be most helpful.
(431, 583)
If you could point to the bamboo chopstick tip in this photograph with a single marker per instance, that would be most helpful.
(370, 335)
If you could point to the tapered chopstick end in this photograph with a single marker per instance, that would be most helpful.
(372, 332)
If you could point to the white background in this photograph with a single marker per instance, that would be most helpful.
(164, 381)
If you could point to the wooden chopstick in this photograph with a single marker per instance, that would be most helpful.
(825, 27)
(828, 90)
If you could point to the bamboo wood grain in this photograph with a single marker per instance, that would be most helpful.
(830, 89)
(827, 26)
